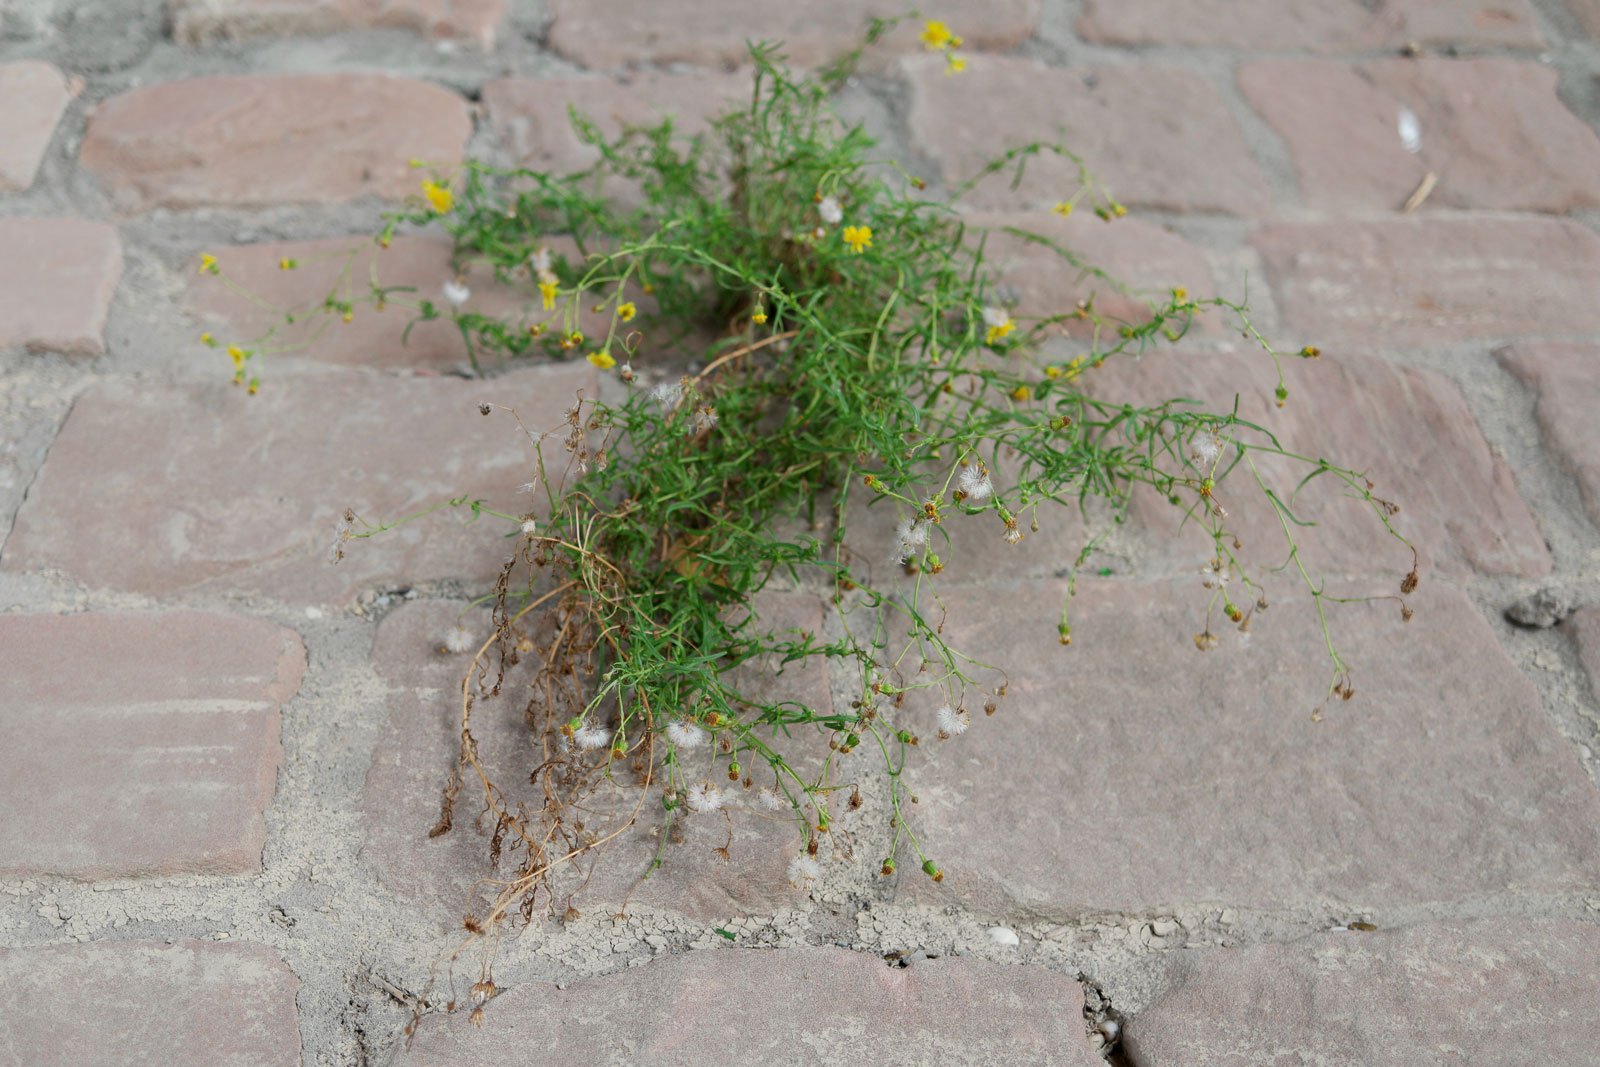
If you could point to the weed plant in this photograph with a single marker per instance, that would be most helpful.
(850, 351)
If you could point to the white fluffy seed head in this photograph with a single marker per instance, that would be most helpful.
(952, 721)
(1207, 449)
(993, 316)
(803, 871)
(830, 211)
(685, 735)
(529, 526)
(591, 737)
(975, 483)
(667, 394)
(456, 293)
(540, 261)
(459, 639)
(770, 799)
(705, 797)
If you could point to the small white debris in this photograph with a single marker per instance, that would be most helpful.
(1410, 129)
(313, 613)
(1005, 936)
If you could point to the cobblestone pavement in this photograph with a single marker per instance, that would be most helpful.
(218, 756)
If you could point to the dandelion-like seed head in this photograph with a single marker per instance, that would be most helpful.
(685, 735)
(704, 797)
(459, 639)
(975, 484)
(952, 721)
(830, 211)
(804, 871)
(591, 737)
(456, 293)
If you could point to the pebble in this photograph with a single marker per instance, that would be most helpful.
(1004, 935)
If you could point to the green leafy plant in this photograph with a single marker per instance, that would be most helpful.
(794, 334)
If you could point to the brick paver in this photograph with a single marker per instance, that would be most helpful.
(836, 1006)
(136, 744)
(1218, 784)
(1565, 381)
(1156, 137)
(148, 1002)
(1313, 25)
(533, 113)
(1408, 431)
(1492, 993)
(35, 95)
(252, 140)
(200, 22)
(400, 801)
(614, 33)
(257, 485)
(57, 278)
(1492, 131)
(1431, 281)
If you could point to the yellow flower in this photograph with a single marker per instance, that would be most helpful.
(1021, 393)
(208, 263)
(602, 359)
(1180, 294)
(548, 290)
(936, 35)
(236, 354)
(207, 339)
(439, 197)
(760, 317)
(1052, 372)
(999, 332)
(287, 264)
(626, 311)
(859, 238)
(1118, 210)
(1064, 209)
(954, 64)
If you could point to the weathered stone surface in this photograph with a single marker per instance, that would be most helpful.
(1497, 993)
(394, 337)
(1155, 137)
(533, 113)
(1312, 25)
(400, 801)
(135, 744)
(837, 1007)
(199, 22)
(253, 140)
(220, 491)
(1423, 281)
(614, 33)
(1142, 263)
(35, 95)
(57, 277)
(1492, 130)
(1408, 431)
(1129, 771)
(145, 1002)
(1565, 380)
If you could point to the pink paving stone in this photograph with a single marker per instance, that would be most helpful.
(228, 1004)
(57, 278)
(1493, 131)
(345, 266)
(613, 33)
(223, 492)
(1497, 994)
(1312, 25)
(533, 113)
(160, 760)
(1409, 431)
(252, 140)
(1130, 772)
(1142, 262)
(1156, 137)
(1428, 281)
(35, 95)
(400, 801)
(823, 1006)
(200, 22)
(1565, 381)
